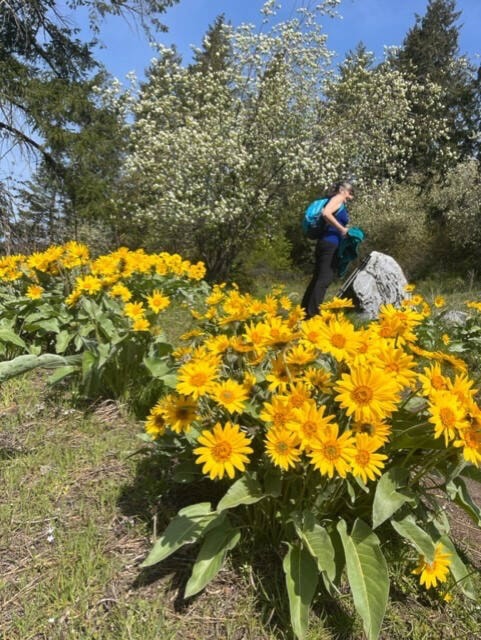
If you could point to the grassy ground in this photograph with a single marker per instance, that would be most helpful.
(77, 514)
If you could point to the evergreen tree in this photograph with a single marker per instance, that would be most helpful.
(430, 52)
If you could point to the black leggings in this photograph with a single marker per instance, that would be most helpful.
(324, 272)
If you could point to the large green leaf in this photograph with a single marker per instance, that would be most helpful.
(367, 574)
(318, 541)
(7, 335)
(187, 526)
(246, 490)
(217, 543)
(22, 364)
(387, 499)
(459, 570)
(301, 580)
(459, 493)
(407, 528)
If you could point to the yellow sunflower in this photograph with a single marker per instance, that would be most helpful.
(158, 301)
(332, 453)
(470, 440)
(155, 422)
(230, 394)
(281, 447)
(447, 415)
(338, 337)
(376, 429)
(140, 324)
(309, 423)
(367, 393)
(34, 292)
(197, 377)
(179, 412)
(436, 571)
(366, 463)
(223, 450)
(396, 362)
(432, 379)
(277, 412)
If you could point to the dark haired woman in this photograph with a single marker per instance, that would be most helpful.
(337, 218)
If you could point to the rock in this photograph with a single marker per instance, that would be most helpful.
(455, 318)
(380, 281)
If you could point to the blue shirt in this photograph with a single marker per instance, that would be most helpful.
(332, 234)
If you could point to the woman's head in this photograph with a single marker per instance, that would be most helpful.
(345, 187)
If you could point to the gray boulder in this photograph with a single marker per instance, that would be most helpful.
(380, 281)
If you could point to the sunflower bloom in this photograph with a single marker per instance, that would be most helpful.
(436, 571)
(158, 301)
(366, 464)
(155, 422)
(309, 423)
(34, 292)
(367, 393)
(338, 337)
(448, 415)
(140, 324)
(433, 379)
(230, 394)
(179, 412)
(223, 450)
(277, 412)
(281, 447)
(196, 378)
(332, 453)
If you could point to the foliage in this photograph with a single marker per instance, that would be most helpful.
(51, 108)
(104, 311)
(222, 154)
(324, 441)
(430, 52)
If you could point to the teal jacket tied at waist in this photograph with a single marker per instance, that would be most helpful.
(349, 248)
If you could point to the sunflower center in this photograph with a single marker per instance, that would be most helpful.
(438, 382)
(182, 413)
(362, 458)
(282, 448)
(222, 451)
(309, 428)
(198, 379)
(331, 451)
(227, 396)
(447, 417)
(362, 394)
(472, 438)
(338, 340)
(159, 420)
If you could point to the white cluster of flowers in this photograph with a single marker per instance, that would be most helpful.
(217, 155)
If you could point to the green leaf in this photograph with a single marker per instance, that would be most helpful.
(62, 373)
(367, 574)
(301, 581)
(407, 528)
(273, 482)
(318, 542)
(459, 493)
(187, 526)
(187, 471)
(209, 561)
(459, 570)
(6, 335)
(22, 364)
(246, 490)
(387, 500)
(157, 368)
(63, 340)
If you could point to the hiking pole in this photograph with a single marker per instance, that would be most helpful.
(347, 283)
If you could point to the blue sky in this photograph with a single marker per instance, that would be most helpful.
(375, 22)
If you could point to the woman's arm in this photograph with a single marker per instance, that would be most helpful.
(330, 209)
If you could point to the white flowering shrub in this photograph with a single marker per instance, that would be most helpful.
(219, 156)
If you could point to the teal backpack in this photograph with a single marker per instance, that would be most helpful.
(313, 223)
